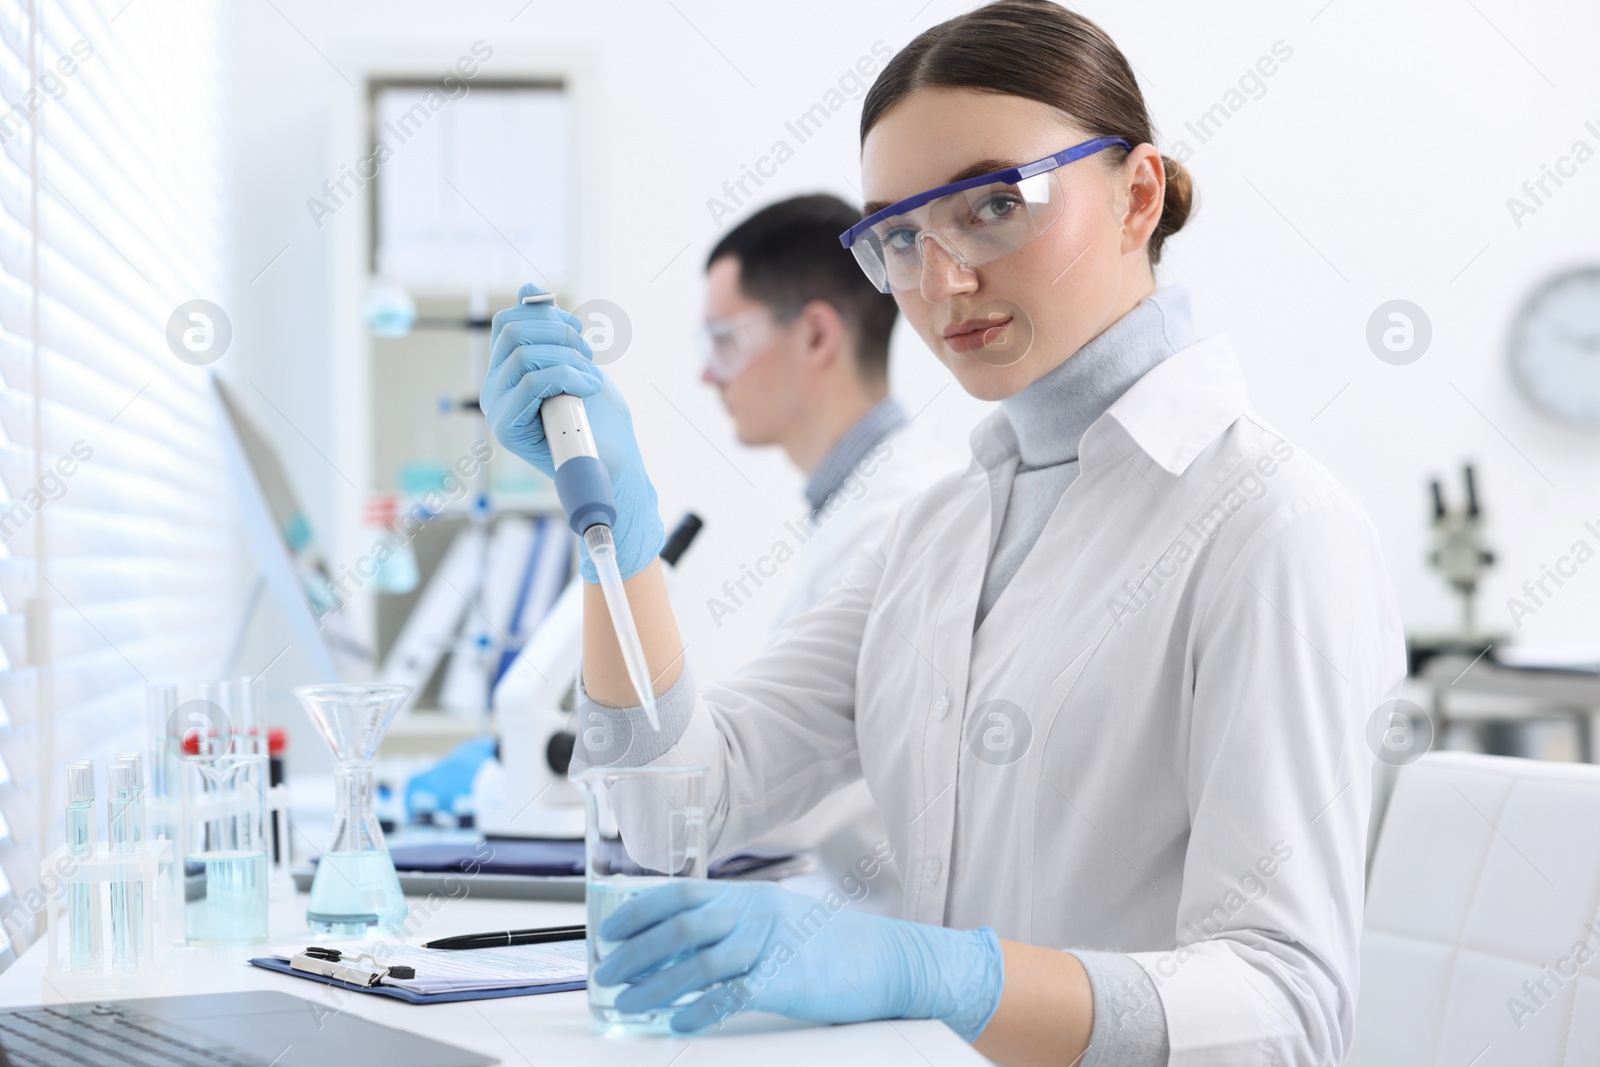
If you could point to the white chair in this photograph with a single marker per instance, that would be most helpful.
(1482, 939)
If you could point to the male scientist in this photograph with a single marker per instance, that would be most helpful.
(796, 342)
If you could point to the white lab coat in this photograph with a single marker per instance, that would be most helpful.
(899, 467)
(847, 825)
(1188, 658)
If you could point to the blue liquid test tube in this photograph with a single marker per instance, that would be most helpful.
(124, 815)
(136, 808)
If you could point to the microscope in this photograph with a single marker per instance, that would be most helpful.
(1459, 552)
(523, 792)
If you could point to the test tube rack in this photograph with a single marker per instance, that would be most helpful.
(165, 819)
(88, 965)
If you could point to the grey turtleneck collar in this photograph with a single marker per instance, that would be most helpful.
(1051, 415)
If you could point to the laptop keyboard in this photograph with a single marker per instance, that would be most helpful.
(110, 1035)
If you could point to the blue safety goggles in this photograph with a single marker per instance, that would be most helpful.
(976, 220)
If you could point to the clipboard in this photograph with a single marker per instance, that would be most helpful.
(410, 997)
(417, 975)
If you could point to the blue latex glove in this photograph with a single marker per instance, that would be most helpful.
(537, 351)
(784, 953)
(451, 777)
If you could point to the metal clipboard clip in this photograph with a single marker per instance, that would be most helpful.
(347, 967)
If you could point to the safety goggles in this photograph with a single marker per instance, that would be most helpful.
(727, 346)
(975, 221)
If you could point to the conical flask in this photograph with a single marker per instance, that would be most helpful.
(356, 887)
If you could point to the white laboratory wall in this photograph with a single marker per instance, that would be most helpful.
(1374, 164)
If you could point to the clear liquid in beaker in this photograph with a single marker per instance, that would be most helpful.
(353, 891)
(232, 906)
(601, 899)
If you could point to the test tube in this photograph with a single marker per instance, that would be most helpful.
(83, 904)
(127, 897)
(282, 882)
(160, 710)
(242, 715)
(135, 812)
(162, 799)
(220, 696)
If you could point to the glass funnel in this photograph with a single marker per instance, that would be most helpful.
(355, 887)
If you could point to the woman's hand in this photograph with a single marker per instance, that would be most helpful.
(784, 953)
(537, 351)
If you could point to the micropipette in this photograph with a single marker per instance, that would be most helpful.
(584, 486)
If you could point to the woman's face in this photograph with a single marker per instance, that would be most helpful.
(1000, 325)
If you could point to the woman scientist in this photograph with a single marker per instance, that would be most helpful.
(1109, 686)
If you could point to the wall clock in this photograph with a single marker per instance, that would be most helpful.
(1555, 347)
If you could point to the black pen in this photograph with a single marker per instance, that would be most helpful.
(501, 938)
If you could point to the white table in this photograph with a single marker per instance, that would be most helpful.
(552, 1028)
(1512, 695)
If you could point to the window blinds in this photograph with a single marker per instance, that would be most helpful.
(117, 530)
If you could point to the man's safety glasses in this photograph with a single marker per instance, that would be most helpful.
(727, 346)
(975, 221)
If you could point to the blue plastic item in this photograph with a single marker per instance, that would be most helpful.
(450, 778)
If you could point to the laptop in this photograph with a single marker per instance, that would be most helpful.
(253, 1029)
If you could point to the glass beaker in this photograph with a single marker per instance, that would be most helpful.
(644, 827)
(224, 842)
(355, 887)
